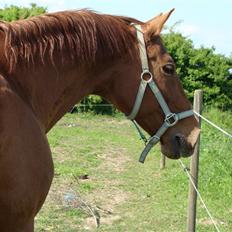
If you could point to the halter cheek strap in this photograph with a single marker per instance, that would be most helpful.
(170, 118)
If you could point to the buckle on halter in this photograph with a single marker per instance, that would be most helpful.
(171, 119)
(146, 76)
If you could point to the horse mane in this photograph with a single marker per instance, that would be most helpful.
(82, 34)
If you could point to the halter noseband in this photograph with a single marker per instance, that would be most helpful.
(170, 118)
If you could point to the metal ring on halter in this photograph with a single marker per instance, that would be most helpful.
(171, 119)
(146, 72)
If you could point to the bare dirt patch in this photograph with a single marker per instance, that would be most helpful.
(90, 223)
(114, 161)
(110, 196)
(209, 222)
(100, 205)
(105, 201)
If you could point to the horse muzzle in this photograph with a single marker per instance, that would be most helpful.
(180, 145)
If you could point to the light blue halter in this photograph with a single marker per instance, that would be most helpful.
(170, 118)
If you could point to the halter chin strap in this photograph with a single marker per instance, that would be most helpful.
(147, 80)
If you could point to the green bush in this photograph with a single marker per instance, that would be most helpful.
(95, 104)
(12, 12)
(201, 69)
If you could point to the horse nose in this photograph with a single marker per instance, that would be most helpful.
(183, 148)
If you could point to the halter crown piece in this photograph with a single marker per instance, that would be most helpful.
(170, 118)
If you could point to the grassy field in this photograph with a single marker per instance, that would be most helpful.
(97, 173)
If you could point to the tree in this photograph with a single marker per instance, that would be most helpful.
(12, 12)
(201, 69)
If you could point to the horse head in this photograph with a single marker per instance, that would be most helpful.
(180, 138)
(154, 96)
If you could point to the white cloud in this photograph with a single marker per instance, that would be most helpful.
(220, 38)
(188, 29)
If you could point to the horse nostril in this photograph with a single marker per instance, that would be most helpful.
(182, 145)
(181, 142)
(178, 140)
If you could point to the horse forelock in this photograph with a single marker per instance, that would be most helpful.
(82, 34)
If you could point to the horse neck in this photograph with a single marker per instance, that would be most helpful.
(51, 93)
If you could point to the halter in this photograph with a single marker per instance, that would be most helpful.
(170, 118)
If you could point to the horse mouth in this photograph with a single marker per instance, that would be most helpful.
(176, 154)
(171, 155)
(179, 147)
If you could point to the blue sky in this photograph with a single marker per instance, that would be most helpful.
(206, 22)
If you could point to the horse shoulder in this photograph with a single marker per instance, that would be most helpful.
(26, 168)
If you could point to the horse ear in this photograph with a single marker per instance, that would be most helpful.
(155, 25)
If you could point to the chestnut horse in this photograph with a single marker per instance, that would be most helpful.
(49, 63)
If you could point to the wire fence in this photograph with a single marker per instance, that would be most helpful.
(109, 109)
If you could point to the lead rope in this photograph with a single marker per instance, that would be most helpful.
(142, 136)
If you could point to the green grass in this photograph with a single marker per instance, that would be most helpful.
(128, 195)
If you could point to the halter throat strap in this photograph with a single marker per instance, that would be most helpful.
(170, 118)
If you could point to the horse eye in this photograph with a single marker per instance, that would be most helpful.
(168, 69)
